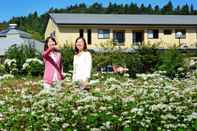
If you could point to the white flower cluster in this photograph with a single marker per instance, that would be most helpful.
(6, 77)
(112, 103)
(10, 65)
(31, 60)
(9, 62)
(193, 62)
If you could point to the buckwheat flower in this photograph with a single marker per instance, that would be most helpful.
(142, 124)
(114, 116)
(127, 122)
(27, 96)
(96, 74)
(108, 98)
(108, 113)
(75, 112)
(94, 82)
(25, 109)
(107, 124)
(128, 99)
(137, 111)
(115, 86)
(159, 128)
(170, 126)
(65, 125)
(109, 107)
(102, 108)
(6, 76)
(126, 75)
(9, 61)
(25, 65)
(168, 116)
(95, 129)
(120, 119)
(195, 105)
(125, 113)
(182, 125)
(1, 115)
(2, 103)
(193, 116)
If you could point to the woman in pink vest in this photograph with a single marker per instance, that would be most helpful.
(53, 71)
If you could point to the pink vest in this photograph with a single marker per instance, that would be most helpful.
(50, 65)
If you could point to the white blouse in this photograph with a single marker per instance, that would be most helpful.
(82, 66)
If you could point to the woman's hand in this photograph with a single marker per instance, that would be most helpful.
(55, 47)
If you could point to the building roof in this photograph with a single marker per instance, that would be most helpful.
(12, 36)
(122, 19)
(13, 31)
(8, 42)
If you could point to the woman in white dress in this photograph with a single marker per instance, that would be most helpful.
(82, 63)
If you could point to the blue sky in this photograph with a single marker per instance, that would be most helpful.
(10, 8)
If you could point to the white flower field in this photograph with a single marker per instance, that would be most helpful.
(151, 102)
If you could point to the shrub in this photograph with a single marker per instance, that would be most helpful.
(21, 53)
(172, 62)
(10, 66)
(67, 58)
(134, 64)
(2, 69)
(6, 77)
(33, 67)
(149, 57)
(130, 60)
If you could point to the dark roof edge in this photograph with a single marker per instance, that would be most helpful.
(51, 17)
(62, 24)
(118, 14)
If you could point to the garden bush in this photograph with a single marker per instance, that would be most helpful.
(21, 53)
(10, 66)
(149, 57)
(67, 58)
(2, 69)
(125, 59)
(142, 60)
(172, 62)
(33, 67)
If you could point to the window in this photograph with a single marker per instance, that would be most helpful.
(196, 33)
(180, 33)
(103, 34)
(153, 34)
(53, 34)
(89, 36)
(119, 37)
(167, 32)
(81, 33)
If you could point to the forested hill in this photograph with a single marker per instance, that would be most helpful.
(2, 26)
(36, 24)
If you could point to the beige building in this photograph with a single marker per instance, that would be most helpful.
(124, 30)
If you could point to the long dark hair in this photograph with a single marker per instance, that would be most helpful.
(85, 45)
(46, 42)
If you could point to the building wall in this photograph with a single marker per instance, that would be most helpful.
(66, 35)
(171, 40)
(52, 28)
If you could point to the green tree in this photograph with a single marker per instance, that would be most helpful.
(133, 8)
(142, 9)
(185, 9)
(178, 10)
(168, 8)
(157, 10)
(96, 8)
